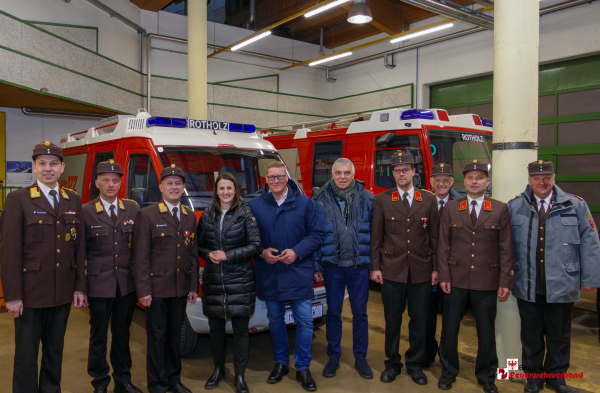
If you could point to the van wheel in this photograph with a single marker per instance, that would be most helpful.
(189, 337)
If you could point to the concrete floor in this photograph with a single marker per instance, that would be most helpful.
(198, 366)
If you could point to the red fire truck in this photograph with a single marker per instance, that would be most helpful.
(144, 145)
(369, 141)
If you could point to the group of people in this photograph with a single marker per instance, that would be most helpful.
(424, 248)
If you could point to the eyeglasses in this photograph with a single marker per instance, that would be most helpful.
(399, 171)
(278, 177)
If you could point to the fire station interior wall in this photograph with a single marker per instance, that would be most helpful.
(569, 119)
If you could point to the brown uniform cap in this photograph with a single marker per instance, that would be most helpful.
(172, 171)
(109, 166)
(441, 169)
(402, 158)
(475, 165)
(47, 148)
(540, 167)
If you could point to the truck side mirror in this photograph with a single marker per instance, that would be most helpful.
(139, 195)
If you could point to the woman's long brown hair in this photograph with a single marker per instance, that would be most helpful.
(231, 178)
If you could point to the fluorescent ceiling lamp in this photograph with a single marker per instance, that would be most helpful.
(324, 8)
(330, 58)
(251, 40)
(360, 13)
(422, 32)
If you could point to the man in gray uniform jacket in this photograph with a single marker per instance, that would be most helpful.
(557, 254)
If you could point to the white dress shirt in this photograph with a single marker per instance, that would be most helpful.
(547, 202)
(107, 206)
(479, 204)
(445, 201)
(411, 195)
(46, 191)
(178, 206)
(279, 202)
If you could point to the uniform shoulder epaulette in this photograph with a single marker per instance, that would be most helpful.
(497, 200)
(131, 200)
(578, 197)
(68, 189)
(512, 199)
(422, 189)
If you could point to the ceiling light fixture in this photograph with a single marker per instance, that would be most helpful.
(324, 8)
(422, 32)
(330, 58)
(251, 40)
(360, 13)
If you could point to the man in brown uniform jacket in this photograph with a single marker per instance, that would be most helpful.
(475, 261)
(43, 270)
(165, 265)
(111, 287)
(403, 239)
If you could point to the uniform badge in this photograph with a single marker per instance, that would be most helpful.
(63, 193)
(425, 219)
(592, 224)
(418, 196)
(463, 205)
(121, 205)
(512, 272)
(34, 192)
(70, 212)
(73, 233)
(67, 237)
(128, 222)
(111, 162)
(183, 210)
(162, 207)
(395, 196)
(487, 205)
(99, 207)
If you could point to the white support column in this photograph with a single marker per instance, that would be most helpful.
(197, 62)
(516, 63)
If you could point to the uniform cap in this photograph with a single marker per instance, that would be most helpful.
(401, 158)
(47, 148)
(475, 165)
(109, 166)
(541, 167)
(441, 169)
(172, 170)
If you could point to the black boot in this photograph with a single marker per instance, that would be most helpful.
(239, 384)
(213, 381)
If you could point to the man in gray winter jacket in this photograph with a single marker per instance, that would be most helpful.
(343, 260)
(557, 254)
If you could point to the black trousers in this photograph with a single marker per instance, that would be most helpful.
(395, 295)
(119, 311)
(241, 342)
(483, 304)
(552, 354)
(436, 298)
(598, 309)
(163, 328)
(47, 325)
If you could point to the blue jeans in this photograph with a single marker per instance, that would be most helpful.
(357, 280)
(302, 311)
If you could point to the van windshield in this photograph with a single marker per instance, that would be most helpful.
(203, 165)
(456, 148)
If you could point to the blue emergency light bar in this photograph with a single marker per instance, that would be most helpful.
(487, 122)
(199, 124)
(417, 114)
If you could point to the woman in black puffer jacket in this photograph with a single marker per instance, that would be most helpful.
(228, 239)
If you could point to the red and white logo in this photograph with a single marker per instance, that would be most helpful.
(502, 373)
(512, 364)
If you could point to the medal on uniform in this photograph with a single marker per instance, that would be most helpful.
(187, 238)
(130, 238)
(67, 237)
(73, 233)
(425, 219)
(129, 245)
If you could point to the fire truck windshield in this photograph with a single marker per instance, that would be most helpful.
(456, 148)
(203, 165)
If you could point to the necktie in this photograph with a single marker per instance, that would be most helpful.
(405, 201)
(113, 216)
(441, 207)
(175, 216)
(473, 213)
(542, 211)
(55, 200)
